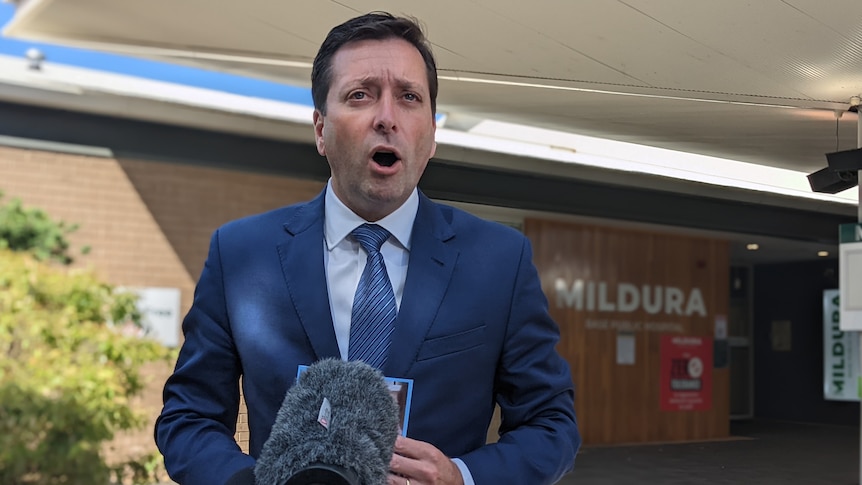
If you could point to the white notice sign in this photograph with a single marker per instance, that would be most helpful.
(720, 327)
(160, 309)
(625, 348)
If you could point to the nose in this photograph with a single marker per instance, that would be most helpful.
(384, 117)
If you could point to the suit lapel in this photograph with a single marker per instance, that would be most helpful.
(302, 264)
(428, 274)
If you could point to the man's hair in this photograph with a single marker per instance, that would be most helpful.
(371, 26)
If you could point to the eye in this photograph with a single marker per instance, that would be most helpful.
(411, 97)
(357, 95)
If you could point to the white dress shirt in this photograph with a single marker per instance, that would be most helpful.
(344, 260)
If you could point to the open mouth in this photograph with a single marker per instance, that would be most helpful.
(385, 159)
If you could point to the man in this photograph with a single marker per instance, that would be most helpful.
(279, 290)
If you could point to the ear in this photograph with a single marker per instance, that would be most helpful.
(433, 143)
(318, 120)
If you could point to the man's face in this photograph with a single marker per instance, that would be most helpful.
(378, 131)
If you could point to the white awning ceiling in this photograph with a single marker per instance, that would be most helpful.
(759, 82)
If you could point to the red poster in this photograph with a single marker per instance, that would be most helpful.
(686, 373)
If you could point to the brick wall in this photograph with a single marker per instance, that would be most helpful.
(148, 224)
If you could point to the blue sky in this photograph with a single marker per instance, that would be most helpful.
(153, 70)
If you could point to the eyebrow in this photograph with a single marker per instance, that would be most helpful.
(399, 82)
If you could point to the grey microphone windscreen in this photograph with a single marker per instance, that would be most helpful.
(360, 429)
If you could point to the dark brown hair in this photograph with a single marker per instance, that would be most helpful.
(371, 26)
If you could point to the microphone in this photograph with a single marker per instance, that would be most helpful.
(336, 426)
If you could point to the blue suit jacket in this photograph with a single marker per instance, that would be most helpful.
(472, 329)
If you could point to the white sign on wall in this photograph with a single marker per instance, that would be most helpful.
(625, 348)
(841, 365)
(160, 309)
(850, 275)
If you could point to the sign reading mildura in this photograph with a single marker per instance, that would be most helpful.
(600, 296)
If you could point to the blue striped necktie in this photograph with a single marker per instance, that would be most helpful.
(373, 318)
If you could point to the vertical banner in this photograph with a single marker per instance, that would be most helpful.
(686, 373)
(840, 353)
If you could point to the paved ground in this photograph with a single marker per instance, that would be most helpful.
(761, 453)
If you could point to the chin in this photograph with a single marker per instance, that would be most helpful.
(384, 202)
(384, 193)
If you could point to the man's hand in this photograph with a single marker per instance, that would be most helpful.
(419, 463)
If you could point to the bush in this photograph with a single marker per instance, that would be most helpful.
(32, 230)
(67, 372)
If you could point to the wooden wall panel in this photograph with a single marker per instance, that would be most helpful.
(618, 403)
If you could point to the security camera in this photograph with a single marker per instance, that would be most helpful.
(855, 101)
(829, 181)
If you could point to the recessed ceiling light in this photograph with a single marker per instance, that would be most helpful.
(752, 246)
(823, 254)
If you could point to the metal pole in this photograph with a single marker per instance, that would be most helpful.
(859, 218)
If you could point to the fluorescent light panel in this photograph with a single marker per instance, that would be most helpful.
(596, 152)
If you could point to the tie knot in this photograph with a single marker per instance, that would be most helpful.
(370, 236)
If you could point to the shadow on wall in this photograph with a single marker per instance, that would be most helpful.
(189, 202)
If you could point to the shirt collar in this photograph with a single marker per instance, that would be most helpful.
(339, 220)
